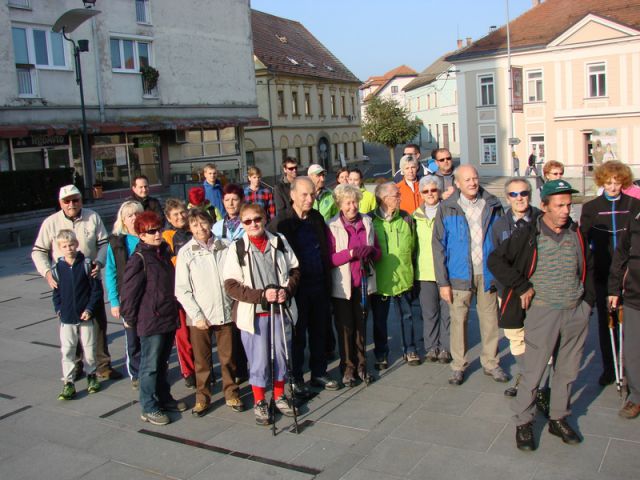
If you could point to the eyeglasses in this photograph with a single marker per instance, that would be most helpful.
(445, 159)
(430, 190)
(523, 194)
(153, 231)
(249, 221)
(291, 169)
(67, 201)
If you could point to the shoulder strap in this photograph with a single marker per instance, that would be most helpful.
(240, 251)
(144, 264)
(280, 243)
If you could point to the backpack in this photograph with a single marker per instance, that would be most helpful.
(87, 264)
(242, 253)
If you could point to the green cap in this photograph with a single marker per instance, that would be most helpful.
(555, 187)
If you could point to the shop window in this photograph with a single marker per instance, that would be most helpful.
(210, 143)
(489, 150)
(5, 157)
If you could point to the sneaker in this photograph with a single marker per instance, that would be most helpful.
(301, 390)
(155, 418)
(457, 377)
(382, 363)
(135, 384)
(444, 357)
(324, 382)
(560, 428)
(68, 391)
(190, 381)
(283, 406)
(497, 374)
(235, 403)
(412, 359)
(200, 409)
(432, 355)
(261, 412)
(524, 437)
(630, 410)
(93, 385)
(174, 406)
(543, 396)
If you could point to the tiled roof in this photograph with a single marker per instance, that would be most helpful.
(543, 23)
(287, 47)
(401, 71)
(429, 74)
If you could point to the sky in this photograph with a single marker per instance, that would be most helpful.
(371, 37)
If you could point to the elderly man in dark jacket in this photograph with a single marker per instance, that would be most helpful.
(546, 271)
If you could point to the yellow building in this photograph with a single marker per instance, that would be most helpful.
(579, 88)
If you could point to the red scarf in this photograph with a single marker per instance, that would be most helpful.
(260, 242)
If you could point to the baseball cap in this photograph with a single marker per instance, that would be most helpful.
(68, 191)
(315, 169)
(554, 187)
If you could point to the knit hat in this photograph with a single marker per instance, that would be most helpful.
(196, 196)
(555, 187)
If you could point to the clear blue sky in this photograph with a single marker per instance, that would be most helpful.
(372, 37)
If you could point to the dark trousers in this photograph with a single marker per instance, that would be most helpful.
(603, 328)
(103, 357)
(154, 361)
(313, 317)
(132, 341)
(380, 309)
(435, 317)
(632, 352)
(239, 354)
(352, 330)
(201, 343)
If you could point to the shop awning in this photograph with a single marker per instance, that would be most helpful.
(129, 126)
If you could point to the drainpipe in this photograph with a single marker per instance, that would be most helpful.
(94, 32)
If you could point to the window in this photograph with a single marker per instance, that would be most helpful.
(418, 104)
(210, 143)
(294, 103)
(284, 153)
(142, 11)
(19, 3)
(353, 106)
(307, 104)
(333, 105)
(435, 100)
(536, 146)
(597, 75)
(129, 55)
(299, 154)
(321, 103)
(489, 150)
(281, 102)
(534, 86)
(394, 89)
(487, 96)
(343, 106)
(40, 47)
(310, 153)
(453, 131)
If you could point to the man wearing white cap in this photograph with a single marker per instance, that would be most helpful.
(324, 202)
(92, 239)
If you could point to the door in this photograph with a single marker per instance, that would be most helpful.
(445, 136)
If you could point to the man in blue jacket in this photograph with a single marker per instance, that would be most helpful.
(212, 186)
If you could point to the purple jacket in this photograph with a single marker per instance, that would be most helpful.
(148, 300)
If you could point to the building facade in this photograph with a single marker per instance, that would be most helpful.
(577, 66)
(308, 96)
(389, 85)
(193, 114)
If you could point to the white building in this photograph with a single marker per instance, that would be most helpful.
(389, 85)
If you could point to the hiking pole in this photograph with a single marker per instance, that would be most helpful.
(621, 349)
(364, 290)
(288, 363)
(614, 351)
(272, 330)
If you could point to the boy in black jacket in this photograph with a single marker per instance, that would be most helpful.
(75, 299)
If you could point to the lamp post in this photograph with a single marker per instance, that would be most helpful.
(66, 24)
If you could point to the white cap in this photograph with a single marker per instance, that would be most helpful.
(68, 191)
(315, 169)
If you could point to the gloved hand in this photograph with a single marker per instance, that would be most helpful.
(363, 252)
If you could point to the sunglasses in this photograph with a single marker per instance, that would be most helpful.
(67, 201)
(430, 190)
(523, 194)
(249, 221)
(153, 231)
(291, 169)
(445, 159)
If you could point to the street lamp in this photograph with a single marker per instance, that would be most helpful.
(67, 23)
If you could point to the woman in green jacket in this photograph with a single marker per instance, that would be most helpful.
(435, 311)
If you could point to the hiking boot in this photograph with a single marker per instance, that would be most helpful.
(542, 401)
(432, 355)
(235, 403)
(301, 390)
(68, 391)
(283, 406)
(135, 384)
(190, 381)
(497, 374)
(174, 406)
(261, 412)
(412, 359)
(457, 377)
(324, 382)
(524, 437)
(155, 418)
(560, 428)
(93, 385)
(200, 409)
(444, 357)
(382, 363)
(630, 410)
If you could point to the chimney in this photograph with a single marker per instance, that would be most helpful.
(468, 41)
(492, 28)
(535, 3)
(459, 43)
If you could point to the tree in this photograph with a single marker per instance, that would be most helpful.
(389, 124)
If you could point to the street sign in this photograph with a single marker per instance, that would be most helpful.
(514, 141)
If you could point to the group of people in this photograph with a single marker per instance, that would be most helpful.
(265, 271)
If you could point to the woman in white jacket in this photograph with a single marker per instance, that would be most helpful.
(200, 290)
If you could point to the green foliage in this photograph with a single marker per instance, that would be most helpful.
(388, 123)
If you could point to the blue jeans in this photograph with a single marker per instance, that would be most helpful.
(380, 309)
(154, 359)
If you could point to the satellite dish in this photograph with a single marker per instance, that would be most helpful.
(72, 19)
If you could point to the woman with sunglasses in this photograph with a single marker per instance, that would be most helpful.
(518, 194)
(262, 271)
(435, 311)
(148, 305)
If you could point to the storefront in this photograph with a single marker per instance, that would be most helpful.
(37, 152)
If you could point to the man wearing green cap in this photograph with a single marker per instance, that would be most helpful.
(548, 284)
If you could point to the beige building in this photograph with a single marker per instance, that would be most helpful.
(580, 88)
(309, 97)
